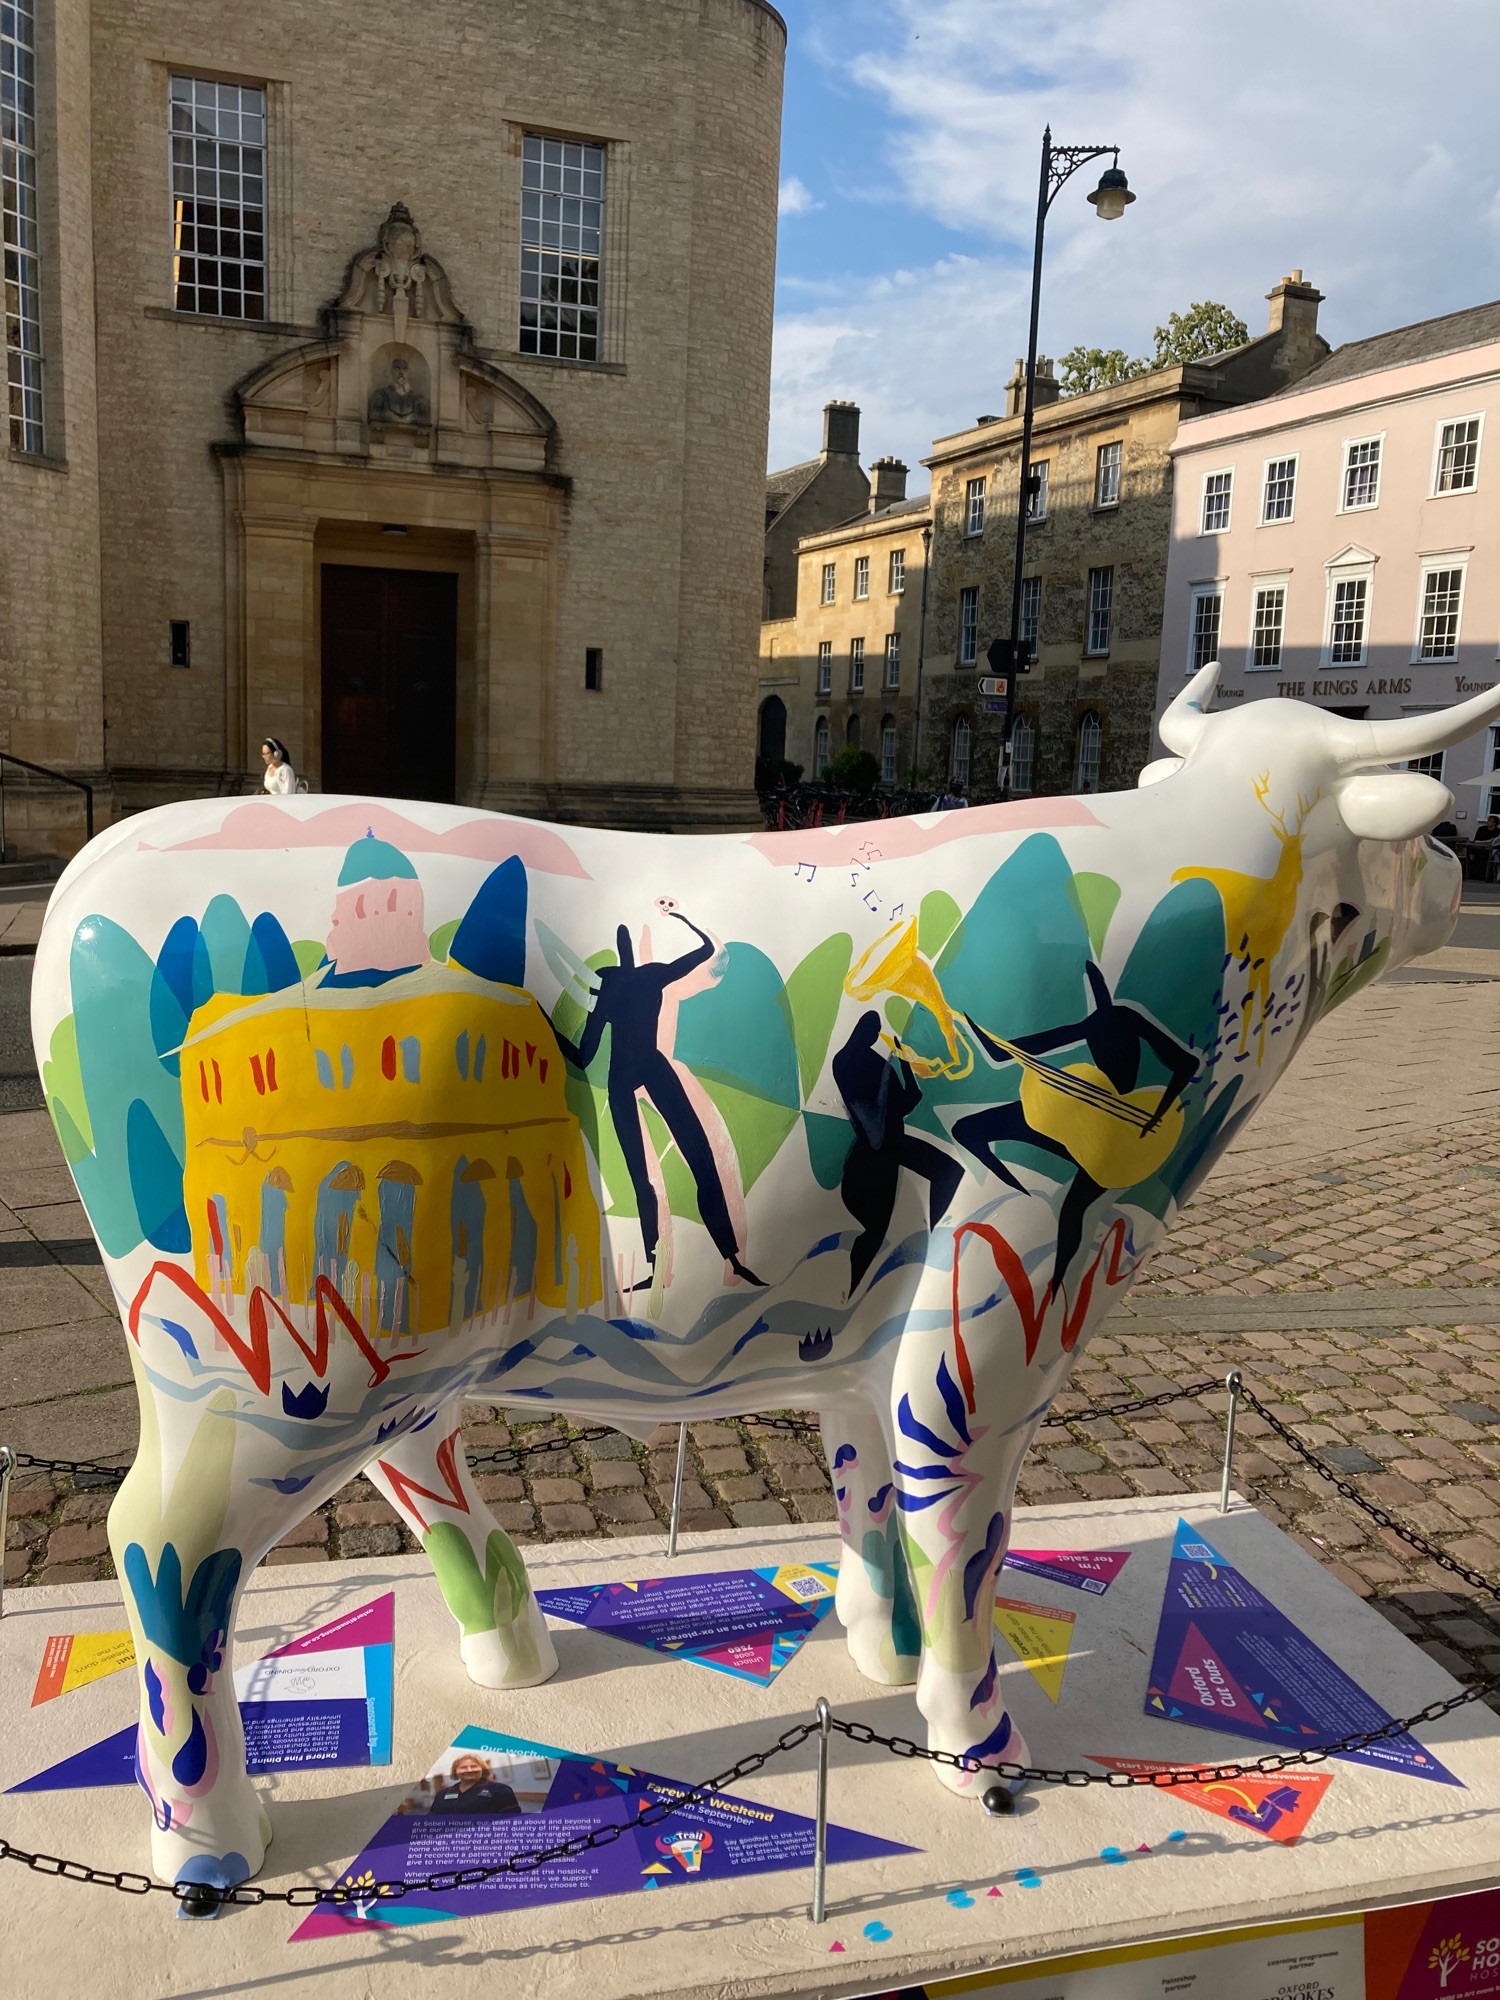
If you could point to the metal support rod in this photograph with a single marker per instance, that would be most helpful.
(7, 1467)
(1233, 1382)
(677, 1491)
(820, 1848)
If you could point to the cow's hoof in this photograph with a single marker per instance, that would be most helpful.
(518, 1656)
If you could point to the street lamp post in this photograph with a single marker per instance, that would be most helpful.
(1110, 199)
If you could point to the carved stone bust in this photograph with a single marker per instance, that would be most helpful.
(398, 400)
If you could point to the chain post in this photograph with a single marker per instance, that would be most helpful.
(820, 1848)
(1233, 1382)
(7, 1467)
(676, 1520)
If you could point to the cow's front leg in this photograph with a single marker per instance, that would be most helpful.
(954, 1485)
(874, 1599)
(425, 1476)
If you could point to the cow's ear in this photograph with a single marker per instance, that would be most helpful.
(1392, 805)
(1162, 768)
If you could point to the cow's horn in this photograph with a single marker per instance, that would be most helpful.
(1182, 724)
(1399, 740)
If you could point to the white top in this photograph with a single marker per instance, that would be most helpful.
(280, 778)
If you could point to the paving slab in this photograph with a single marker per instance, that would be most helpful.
(1378, 1836)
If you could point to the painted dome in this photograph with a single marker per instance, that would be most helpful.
(372, 860)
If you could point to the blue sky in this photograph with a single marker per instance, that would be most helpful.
(1352, 138)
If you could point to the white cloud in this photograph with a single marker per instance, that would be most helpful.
(795, 197)
(1332, 137)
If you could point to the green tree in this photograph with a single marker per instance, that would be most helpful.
(1085, 368)
(855, 770)
(1203, 330)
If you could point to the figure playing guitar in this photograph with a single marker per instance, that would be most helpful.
(1090, 1113)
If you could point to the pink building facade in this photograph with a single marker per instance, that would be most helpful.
(1340, 542)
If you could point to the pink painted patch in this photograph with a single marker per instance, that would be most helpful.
(265, 826)
(1202, 1681)
(992, 1892)
(745, 1656)
(372, 1624)
(835, 1946)
(898, 839)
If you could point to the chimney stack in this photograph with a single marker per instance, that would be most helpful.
(1294, 315)
(887, 483)
(1048, 388)
(841, 429)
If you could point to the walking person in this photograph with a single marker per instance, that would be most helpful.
(280, 778)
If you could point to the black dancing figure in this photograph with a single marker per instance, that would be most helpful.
(880, 1096)
(629, 1003)
(1114, 1034)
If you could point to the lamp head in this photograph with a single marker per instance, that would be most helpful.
(1112, 196)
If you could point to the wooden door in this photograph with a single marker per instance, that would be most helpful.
(389, 670)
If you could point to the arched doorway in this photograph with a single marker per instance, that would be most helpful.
(771, 743)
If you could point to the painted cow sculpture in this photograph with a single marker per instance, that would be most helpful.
(377, 1107)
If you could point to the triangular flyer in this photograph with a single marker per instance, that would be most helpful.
(1278, 1805)
(73, 1659)
(744, 1622)
(490, 1796)
(325, 1700)
(1040, 1635)
(1227, 1659)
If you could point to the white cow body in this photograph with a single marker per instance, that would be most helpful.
(877, 1120)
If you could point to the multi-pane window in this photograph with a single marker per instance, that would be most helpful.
(1031, 607)
(820, 747)
(21, 230)
(1036, 504)
(1346, 627)
(851, 731)
(1492, 763)
(898, 572)
(1022, 756)
(825, 667)
(1280, 494)
(861, 576)
(974, 507)
(830, 581)
(1428, 767)
(963, 737)
(856, 666)
(1268, 625)
(1203, 637)
(1361, 474)
(218, 140)
(1090, 746)
(893, 659)
(1218, 489)
(1107, 476)
(1458, 456)
(968, 627)
(1101, 604)
(888, 752)
(562, 227)
(1442, 595)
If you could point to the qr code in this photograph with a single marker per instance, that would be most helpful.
(1092, 1583)
(1198, 1552)
(808, 1586)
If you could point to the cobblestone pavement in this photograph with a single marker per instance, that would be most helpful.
(1357, 1284)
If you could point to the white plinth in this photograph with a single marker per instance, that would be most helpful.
(1377, 1837)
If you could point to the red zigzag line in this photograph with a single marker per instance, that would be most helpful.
(1032, 1311)
(404, 1488)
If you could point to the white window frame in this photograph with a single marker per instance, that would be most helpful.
(22, 343)
(1294, 459)
(234, 165)
(889, 743)
(1436, 492)
(1436, 566)
(830, 584)
(1201, 593)
(1348, 572)
(1088, 721)
(856, 666)
(1352, 444)
(1037, 510)
(1035, 634)
(1281, 581)
(1090, 650)
(1492, 763)
(1216, 472)
(825, 666)
(896, 573)
(974, 502)
(958, 773)
(892, 662)
(822, 747)
(968, 636)
(1023, 731)
(861, 578)
(1116, 465)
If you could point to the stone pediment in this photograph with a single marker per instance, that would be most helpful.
(397, 376)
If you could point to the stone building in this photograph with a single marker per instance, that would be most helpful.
(804, 499)
(1096, 559)
(844, 667)
(348, 352)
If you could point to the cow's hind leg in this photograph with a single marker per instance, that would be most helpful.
(874, 1601)
(426, 1478)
